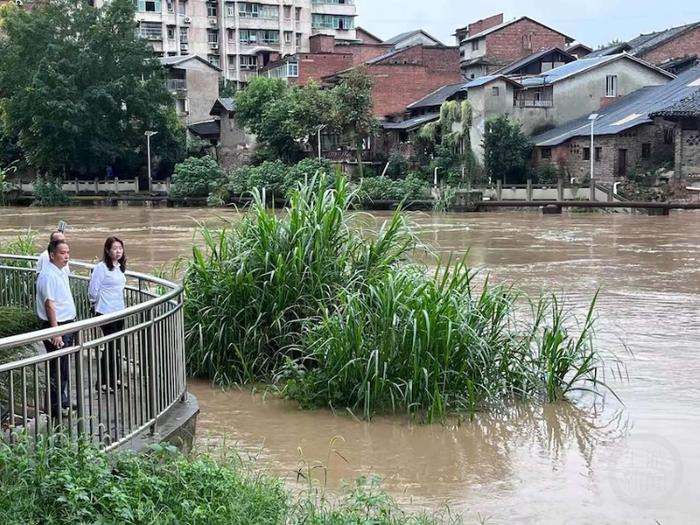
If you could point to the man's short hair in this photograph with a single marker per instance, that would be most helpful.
(53, 246)
(53, 233)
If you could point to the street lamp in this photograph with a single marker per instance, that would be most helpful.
(318, 132)
(592, 117)
(149, 134)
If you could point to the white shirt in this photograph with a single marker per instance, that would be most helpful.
(52, 284)
(106, 289)
(45, 261)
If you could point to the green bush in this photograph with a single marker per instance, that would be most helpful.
(49, 192)
(382, 188)
(196, 177)
(546, 174)
(59, 482)
(15, 321)
(269, 176)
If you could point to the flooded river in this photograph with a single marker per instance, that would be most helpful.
(635, 463)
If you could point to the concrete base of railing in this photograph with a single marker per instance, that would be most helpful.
(177, 427)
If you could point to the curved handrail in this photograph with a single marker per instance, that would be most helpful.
(138, 368)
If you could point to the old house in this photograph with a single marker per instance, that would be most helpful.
(490, 44)
(194, 82)
(675, 49)
(537, 63)
(629, 135)
(685, 115)
(412, 38)
(579, 50)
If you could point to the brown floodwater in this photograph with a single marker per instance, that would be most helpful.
(604, 462)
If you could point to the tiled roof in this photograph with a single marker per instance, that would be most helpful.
(411, 123)
(481, 81)
(687, 107)
(177, 60)
(206, 129)
(437, 97)
(408, 34)
(522, 62)
(627, 112)
(506, 24)
(645, 43)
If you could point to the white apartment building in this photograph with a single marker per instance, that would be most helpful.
(238, 36)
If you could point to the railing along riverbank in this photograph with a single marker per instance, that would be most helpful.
(148, 355)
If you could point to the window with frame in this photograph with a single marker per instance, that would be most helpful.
(171, 32)
(646, 151)
(151, 30)
(246, 9)
(332, 22)
(287, 12)
(494, 91)
(212, 36)
(182, 8)
(212, 9)
(611, 86)
(231, 35)
(475, 45)
(586, 153)
(546, 153)
(230, 9)
(297, 14)
(170, 6)
(292, 68)
(598, 153)
(270, 37)
(247, 36)
(269, 11)
(288, 36)
(297, 41)
(248, 61)
(232, 60)
(183, 35)
(149, 6)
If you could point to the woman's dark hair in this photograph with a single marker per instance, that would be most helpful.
(107, 258)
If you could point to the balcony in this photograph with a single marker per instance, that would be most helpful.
(178, 86)
(533, 103)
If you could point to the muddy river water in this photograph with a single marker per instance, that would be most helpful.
(637, 462)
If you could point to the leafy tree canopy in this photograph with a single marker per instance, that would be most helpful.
(506, 150)
(78, 88)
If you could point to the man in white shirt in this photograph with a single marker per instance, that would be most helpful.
(54, 307)
(43, 260)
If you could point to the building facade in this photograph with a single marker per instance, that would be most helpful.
(239, 37)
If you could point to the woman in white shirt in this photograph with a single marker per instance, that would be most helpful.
(106, 293)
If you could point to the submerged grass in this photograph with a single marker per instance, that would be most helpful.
(58, 481)
(333, 318)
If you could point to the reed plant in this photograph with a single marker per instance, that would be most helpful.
(334, 317)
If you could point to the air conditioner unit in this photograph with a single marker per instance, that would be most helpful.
(187, 20)
(213, 45)
(213, 22)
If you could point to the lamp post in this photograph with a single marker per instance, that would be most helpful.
(318, 133)
(592, 117)
(149, 134)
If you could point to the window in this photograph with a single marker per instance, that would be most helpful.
(297, 14)
(269, 11)
(475, 45)
(646, 151)
(332, 22)
(214, 60)
(527, 41)
(287, 12)
(288, 37)
(248, 62)
(211, 9)
(171, 6)
(246, 9)
(293, 68)
(231, 35)
(171, 32)
(270, 37)
(668, 135)
(598, 153)
(232, 59)
(586, 153)
(149, 6)
(230, 9)
(151, 30)
(297, 41)
(546, 153)
(494, 91)
(611, 86)
(246, 36)
(183, 35)
(212, 36)
(182, 8)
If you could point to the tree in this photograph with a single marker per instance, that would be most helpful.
(506, 150)
(353, 114)
(78, 89)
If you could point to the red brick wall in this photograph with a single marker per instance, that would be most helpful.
(506, 45)
(484, 24)
(363, 53)
(322, 44)
(686, 44)
(315, 66)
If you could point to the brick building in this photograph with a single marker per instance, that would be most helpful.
(663, 48)
(685, 115)
(491, 43)
(627, 134)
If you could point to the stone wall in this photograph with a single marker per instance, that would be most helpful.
(688, 153)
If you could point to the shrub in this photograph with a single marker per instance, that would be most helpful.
(49, 192)
(268, 176)
(307, 170)
(382, 188)
(14, 321)
(546, 174)
(196, 177)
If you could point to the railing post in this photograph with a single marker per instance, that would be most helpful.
(592, 192)
(529, 190)
(80, 390)
(152, 372)
(499, 190)
(560, 190)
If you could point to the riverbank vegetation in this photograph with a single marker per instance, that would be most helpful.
(57, 481)
(338, 317)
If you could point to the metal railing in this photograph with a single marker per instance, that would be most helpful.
(110, 387)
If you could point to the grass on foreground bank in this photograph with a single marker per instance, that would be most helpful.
(334, 318)
(59, 482)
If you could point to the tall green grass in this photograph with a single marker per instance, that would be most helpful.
(336, 318)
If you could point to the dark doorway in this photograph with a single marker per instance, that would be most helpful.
(621, 162)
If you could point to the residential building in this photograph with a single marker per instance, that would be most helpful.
(240, 37)
(685, 116)
(663, 48)
(537, 63)
(490, 44)
(412, 38)
(630, 134)
(579, 50)
(194, 83)
(557, 96)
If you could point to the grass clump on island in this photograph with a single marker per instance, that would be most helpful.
(58, 481)
(338, 318)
